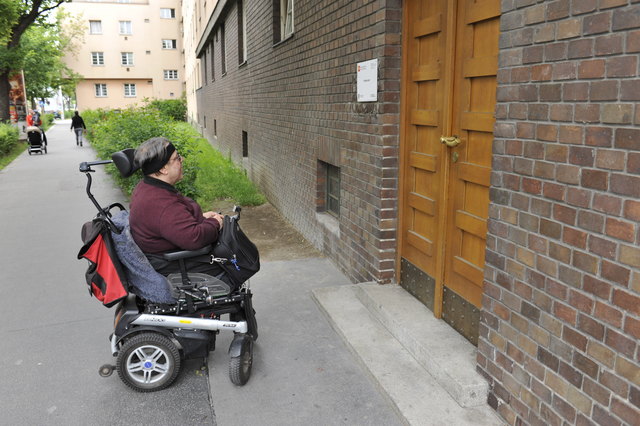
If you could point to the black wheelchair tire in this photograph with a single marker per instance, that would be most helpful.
(148, 362)
(240, 366)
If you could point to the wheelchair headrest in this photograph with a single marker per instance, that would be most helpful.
(124, 162)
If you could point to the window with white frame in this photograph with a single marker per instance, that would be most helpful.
(170, 74)
(125, 27)
(284, 10)
(203, 69)
(95, 27)
(167, 13)
(223, 51)
(97, 58)
(213, 62)
(129, 90)
(242, 32)
(126, 58)
(101, 90)
(169, 44)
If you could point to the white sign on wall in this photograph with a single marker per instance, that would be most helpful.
(368, 81)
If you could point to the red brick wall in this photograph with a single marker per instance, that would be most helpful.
(297, 102)
(561, 321)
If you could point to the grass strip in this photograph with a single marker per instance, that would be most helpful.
(6, 159)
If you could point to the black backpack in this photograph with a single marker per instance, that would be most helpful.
(242, 257)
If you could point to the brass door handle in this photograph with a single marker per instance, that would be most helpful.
(450, 141)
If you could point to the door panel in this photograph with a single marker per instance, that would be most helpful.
(473, 121)
(449, 89)
(423, 125)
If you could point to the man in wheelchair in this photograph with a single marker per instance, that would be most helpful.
(162, 220)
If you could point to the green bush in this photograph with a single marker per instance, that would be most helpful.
(8, 138)
(220, 179)
(207, 175)
(175, 109)
(47, 121)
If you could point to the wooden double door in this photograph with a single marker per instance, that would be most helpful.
(450, 50)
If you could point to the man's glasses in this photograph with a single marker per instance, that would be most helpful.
(178, 157)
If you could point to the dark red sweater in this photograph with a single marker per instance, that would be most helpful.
(163, 220)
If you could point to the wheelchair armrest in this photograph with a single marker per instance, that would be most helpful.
(185, 254)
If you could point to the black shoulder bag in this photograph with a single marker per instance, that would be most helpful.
(242, 257)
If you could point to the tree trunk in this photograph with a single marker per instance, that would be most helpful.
(4, 96)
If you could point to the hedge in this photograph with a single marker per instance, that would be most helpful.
(207, 175)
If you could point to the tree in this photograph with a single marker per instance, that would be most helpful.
(43, 48)
(21, 14)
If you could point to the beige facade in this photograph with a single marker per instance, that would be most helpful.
(132, 50)
(196, 15)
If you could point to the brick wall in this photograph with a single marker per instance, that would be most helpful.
(561, 322)
(297, 102)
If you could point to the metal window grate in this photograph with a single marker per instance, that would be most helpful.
(332, 202)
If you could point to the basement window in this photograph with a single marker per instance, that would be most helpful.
(333, 190)
(245, 144)
(328, 188)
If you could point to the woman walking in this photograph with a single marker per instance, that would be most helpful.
(77, 125)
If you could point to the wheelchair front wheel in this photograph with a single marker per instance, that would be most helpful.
(148, 362)
(240, 366)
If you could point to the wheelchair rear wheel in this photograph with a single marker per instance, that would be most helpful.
(148, 362)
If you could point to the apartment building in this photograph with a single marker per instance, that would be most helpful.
(132, 50)
(491, 167)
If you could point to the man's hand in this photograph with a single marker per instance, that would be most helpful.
(214, 215)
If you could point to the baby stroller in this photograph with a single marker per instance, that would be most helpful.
(37, 140)
(151, 337)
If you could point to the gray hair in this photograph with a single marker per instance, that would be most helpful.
(150, 149)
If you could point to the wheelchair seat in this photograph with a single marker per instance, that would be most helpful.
(157, 288)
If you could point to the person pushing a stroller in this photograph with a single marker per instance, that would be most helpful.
(33, 119)
(35, 134)
(78, 126)
(34, 124)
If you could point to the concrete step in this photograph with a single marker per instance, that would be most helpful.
(445, 354)
(415, 393)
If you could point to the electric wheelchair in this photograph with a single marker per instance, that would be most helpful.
(151, 337)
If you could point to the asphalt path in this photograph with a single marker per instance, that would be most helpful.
(53, 335)
(303, 374)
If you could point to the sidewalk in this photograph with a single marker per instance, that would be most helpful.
(303, 374)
